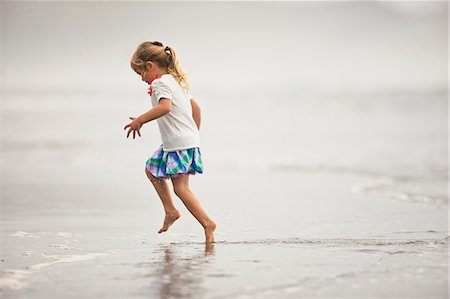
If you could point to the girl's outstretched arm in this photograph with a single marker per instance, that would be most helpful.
(164, 107)
(196, 113)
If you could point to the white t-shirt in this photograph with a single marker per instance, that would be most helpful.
(178, 129)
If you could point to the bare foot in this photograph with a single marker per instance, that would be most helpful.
(169, 219)
(209, 232)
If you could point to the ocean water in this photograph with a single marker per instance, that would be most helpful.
(396, 144)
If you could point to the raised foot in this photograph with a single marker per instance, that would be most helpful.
(169, 219)
(209, 232)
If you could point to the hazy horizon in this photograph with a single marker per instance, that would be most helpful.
(307, 46)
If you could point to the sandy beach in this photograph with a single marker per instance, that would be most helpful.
(329, 242)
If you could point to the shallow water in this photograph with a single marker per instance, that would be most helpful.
(134, 265)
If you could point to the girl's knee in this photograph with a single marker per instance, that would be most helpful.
(151, 176)
(180, 190)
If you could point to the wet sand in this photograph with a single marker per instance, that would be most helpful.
(341, 243)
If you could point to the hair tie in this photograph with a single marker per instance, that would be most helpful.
(156, 43)
(167, 49)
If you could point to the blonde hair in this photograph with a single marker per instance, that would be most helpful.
(165, 57)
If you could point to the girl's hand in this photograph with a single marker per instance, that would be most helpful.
(135, 126)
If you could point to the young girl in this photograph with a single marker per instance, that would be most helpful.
(178, 118)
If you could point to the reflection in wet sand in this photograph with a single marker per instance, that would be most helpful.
(176, 274)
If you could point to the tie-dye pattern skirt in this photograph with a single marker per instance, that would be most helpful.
(172, 164)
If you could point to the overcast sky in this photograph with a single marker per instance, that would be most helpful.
(307, 45)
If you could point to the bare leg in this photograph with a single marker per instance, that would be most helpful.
(162, 188)
(181, 188)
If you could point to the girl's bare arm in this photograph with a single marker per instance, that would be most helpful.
(164, 107)
(196, 113)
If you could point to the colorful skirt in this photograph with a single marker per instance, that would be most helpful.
(173, 164)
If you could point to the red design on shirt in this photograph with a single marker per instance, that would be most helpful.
(150, 88)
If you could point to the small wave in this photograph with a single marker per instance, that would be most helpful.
(368, 250)
(385, 186)
(378, 183)
(22, 234)
(14, 279)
